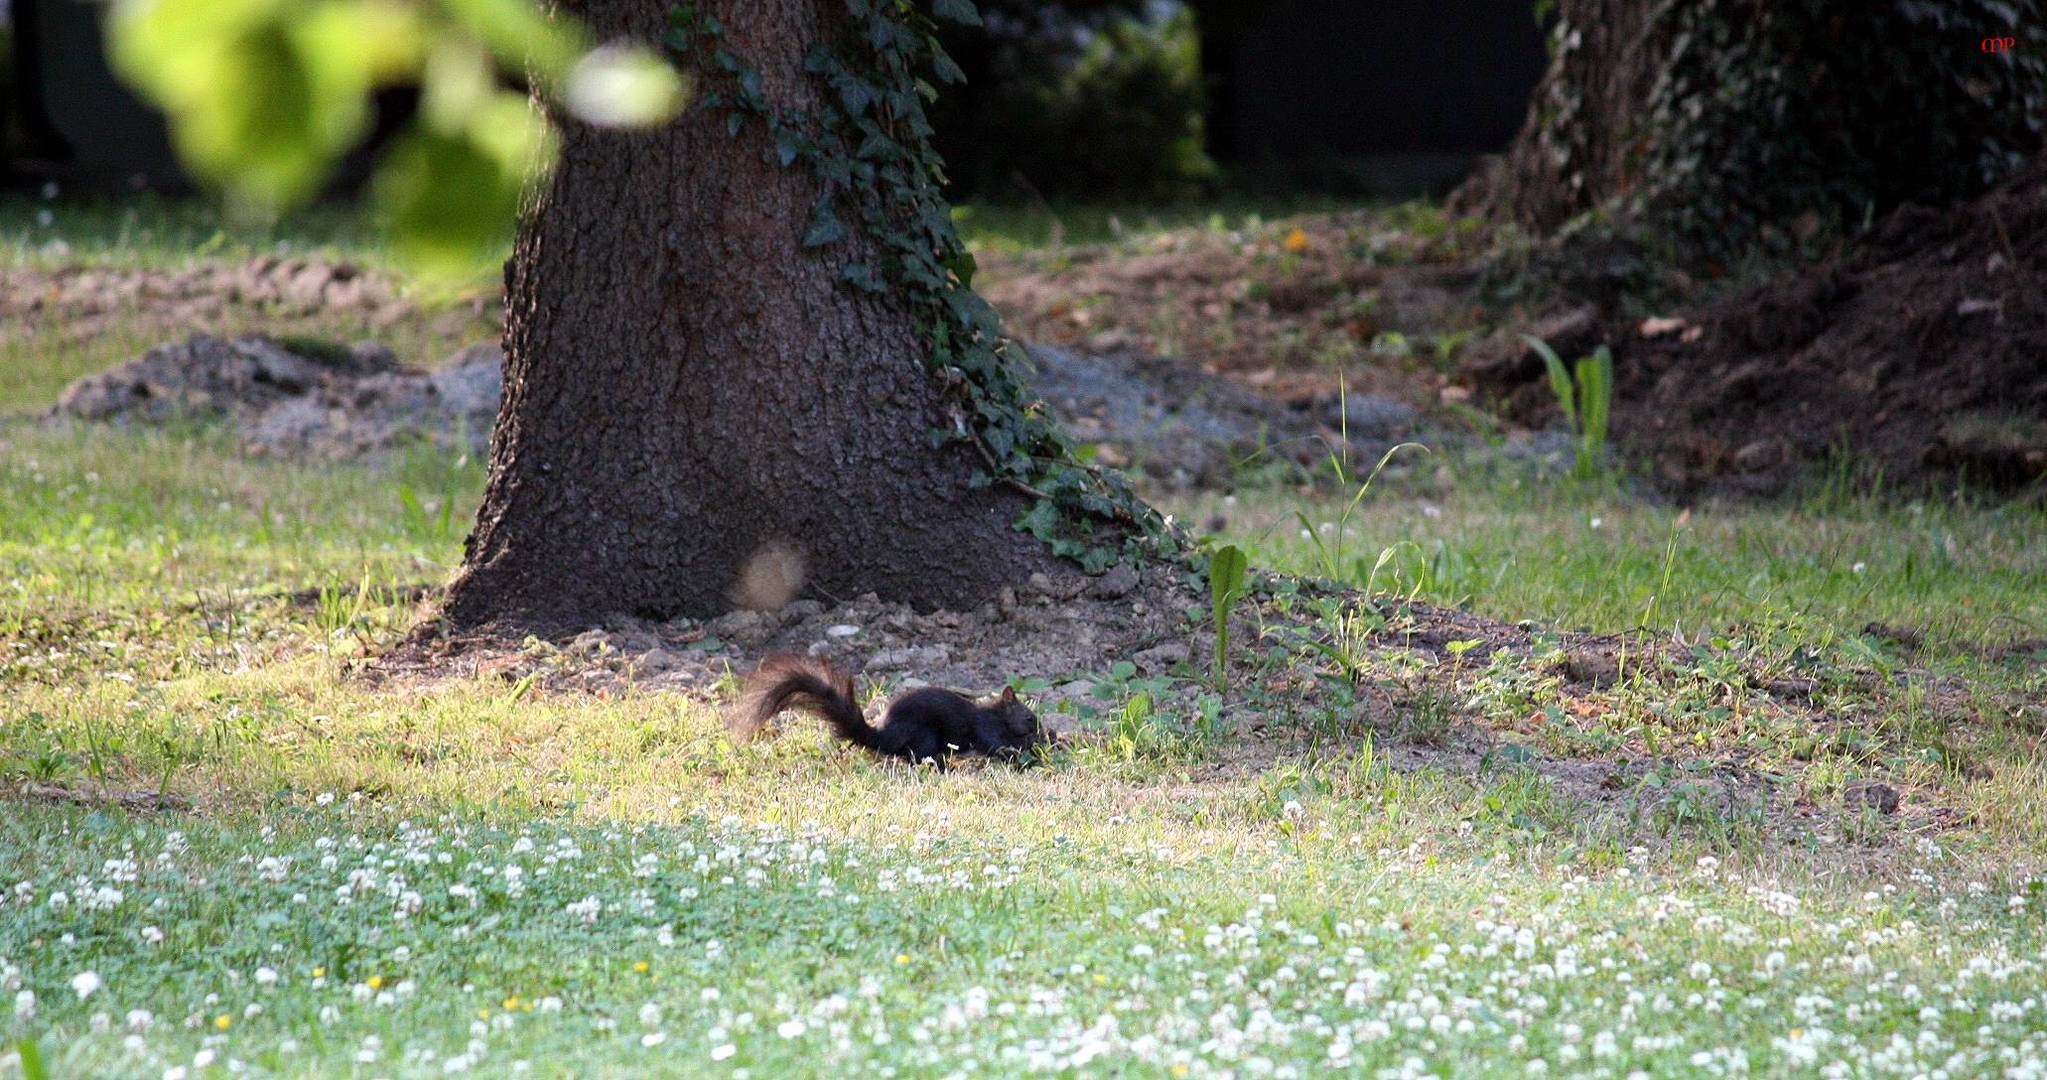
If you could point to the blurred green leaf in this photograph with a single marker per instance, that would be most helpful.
(262, 105)
(520, 35)
(451, 200)
(264, 96)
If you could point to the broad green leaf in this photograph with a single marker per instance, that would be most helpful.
(1226, 574)
(1595, 395)
(32, 1067)
(1559, 378)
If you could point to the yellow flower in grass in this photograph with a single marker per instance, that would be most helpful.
(223, 1021)
(376, 982)
(1297, 242)
(640, 967)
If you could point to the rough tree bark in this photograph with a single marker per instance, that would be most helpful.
(1574, 150)
(686, 384)
(1725, 121)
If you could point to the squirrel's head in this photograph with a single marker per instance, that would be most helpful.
(1018, 721)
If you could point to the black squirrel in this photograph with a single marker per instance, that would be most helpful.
(926, 724)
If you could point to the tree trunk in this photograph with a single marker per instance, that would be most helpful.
(1574, 150)
(1725, 122)
(688, 385)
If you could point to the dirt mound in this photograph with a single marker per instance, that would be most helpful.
(1182, 426)
(299, 400)
(1919, 358)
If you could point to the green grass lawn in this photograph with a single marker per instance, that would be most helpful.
(336, 940)
(394, 878)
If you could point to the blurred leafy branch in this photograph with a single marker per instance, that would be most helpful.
(265, 97)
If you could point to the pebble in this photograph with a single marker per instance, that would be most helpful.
(1162, 656)
(1119, 581)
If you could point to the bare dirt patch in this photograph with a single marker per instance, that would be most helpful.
(99, 798)
(1282, 311)
(82, 303)
(1419, 693)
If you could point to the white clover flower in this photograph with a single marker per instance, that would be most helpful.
(266, 976)
(650, 1015)
(723, 1052)
(84, 983)
(790, 1029)
(25, 1006)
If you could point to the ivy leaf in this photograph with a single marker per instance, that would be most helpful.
(863, 275)
(959, 11)
(788, 146)
(962, 265)
(942, 64)
(875, 145)
(855, 93)
(1041, 520)
(825, 226)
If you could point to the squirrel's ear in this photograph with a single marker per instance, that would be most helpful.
(1008, 694)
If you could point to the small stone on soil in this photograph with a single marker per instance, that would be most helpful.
(1161, 657)
(1593, 669)
(1114, 584)
(1883, 798)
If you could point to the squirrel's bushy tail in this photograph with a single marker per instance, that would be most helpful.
(788, 681)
